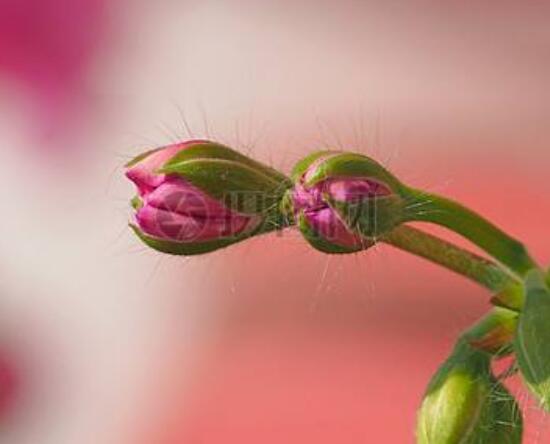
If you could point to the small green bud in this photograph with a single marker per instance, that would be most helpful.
(532, 342)
(465, 404)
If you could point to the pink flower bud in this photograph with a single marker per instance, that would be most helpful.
(143, 169)
(176, 210)
(324, 221)
(324, 207)
(171, 208)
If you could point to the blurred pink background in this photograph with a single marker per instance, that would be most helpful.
(266, 341)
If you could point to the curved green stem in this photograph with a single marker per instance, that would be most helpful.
(494, 332)
(426, 207)
(477, 268)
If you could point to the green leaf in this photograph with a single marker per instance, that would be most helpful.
(532, 342)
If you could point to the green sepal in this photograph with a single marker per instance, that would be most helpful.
(286, 208)
(318, 242)
(136, 203)
(212, 150)
(372, 217)
(241, 183)
(141, 156)
(532, 342)
(494, 332)
(183, 248)
(353, 165)
(239, 186)
(301, 167)
(511, 296)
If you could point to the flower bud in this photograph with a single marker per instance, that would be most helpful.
(343, 201)
(198, 196)
(532, 342)
(465, 404)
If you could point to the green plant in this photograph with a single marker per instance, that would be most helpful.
(200, 196)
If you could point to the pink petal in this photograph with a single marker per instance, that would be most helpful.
(352, 190)
(183, 228)
(312, 169)
(179, 196)
(144, 173)
(328, 225)
(308, 199)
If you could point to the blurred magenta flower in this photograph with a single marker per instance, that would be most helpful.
(46, 48)
(7, 385)
(198, 196)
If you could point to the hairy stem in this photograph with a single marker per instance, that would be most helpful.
(428, 207)
(483, 271)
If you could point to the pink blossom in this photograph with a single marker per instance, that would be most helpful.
(171, 208)
(313, 202)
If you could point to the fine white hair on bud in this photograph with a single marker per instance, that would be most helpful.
(466, 404)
